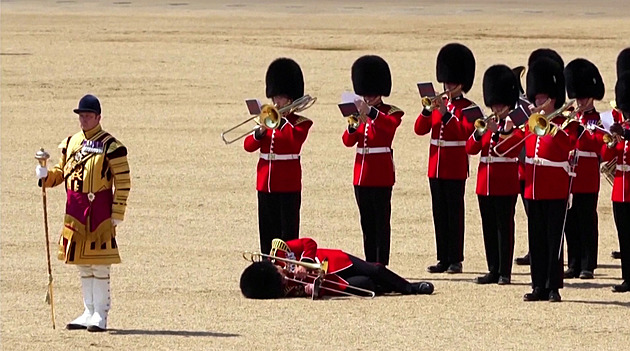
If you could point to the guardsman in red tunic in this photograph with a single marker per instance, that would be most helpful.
(279, 172)
(584, 83)
(548, 174)
(536, 54)
(265, 280)
(621, 186)
(448, 161)
(374, 161)
(623, 64)
(497, 176)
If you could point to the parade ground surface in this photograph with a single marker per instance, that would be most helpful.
(171, 75)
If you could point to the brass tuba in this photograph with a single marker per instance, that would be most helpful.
(270, 116)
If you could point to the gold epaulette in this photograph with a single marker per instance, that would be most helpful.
(393, 109)
(567, 122)
(113, 145)
(301, 119)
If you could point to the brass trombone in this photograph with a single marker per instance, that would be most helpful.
(539, 125)
(318, 271)
(270, 116)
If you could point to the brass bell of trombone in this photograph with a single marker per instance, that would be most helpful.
(270, 116)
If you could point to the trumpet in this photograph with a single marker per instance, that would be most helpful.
(270, 116)
(481, 124)
(318, 271)
(427, 101)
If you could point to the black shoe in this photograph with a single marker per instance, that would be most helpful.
(95, 329)
(504, 281)
(454, 268)
(616, 255)
(623, 287)
(422, 288)
(537, 294)
(571, 273)
(440, 267)
(586, 275)
(522, 261)
(554, 296)
(489, 278)
(71, 326)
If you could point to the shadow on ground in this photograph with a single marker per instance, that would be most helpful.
(608, 303)
(186, 333)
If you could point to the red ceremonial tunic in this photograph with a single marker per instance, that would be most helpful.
(587, 152)
(305, 249)
(447, 153)
(497, 175)
(279, 169)
(547, 163)
(621, 185)
(374, 161)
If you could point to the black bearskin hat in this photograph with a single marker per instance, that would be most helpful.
(622, 92)
(371, 76)
(456, 64)
(546, 76)
(583, 80)
(284, 77)
(623, 61)
(261, 280)
(548, 53)
(519, 72)
(500, 86)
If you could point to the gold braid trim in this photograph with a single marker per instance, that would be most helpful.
(119, 167)
(393, 109)
(301, 119)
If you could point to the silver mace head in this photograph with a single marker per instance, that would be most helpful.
(42, 156)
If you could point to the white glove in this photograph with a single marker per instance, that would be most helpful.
(41, 172)
(116, 222)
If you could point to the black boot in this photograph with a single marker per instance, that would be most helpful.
(523, 261)
(422, 288)
(623, 287)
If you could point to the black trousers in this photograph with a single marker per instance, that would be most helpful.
(447, 198)
(582, 232)
(621, 211)
(544, 224)
(375, 209)
(497, 221)
(374, 276)
(278, 217)
(523, 199)
(525, 203)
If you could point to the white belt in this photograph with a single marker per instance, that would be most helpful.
(496, 159)
(580, 153)
(623, 168)
(279, 157)
(373, 150)
(446, 143)
(547, 163)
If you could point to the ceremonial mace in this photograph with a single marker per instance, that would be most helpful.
(42, 156)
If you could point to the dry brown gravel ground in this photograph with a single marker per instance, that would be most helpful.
(172, 75)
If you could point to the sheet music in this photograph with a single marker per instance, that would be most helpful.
(607, 119)
(348, 96)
